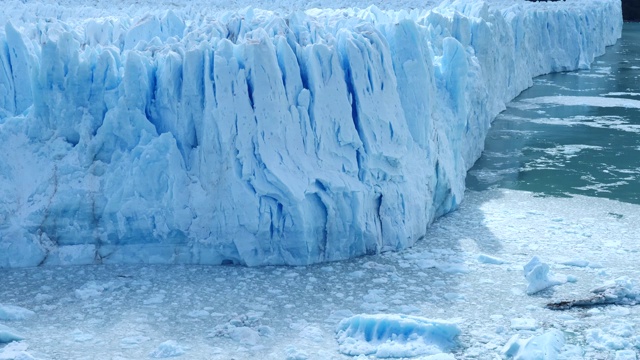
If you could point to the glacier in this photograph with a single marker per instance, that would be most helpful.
(258, 137)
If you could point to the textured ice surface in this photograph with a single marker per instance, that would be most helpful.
(488, 259)
(295, 310)
(395, 336)
(542, 347)
(539, 277)
(15, 351)
(191, 135)
(12, 313)
(167, 349)
(8, 335)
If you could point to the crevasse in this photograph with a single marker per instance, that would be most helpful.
(255, 138)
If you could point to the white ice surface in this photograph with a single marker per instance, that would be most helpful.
(181, 133)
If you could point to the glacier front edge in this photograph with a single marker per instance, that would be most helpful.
(255, 138)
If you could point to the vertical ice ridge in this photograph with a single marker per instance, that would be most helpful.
(256, 139)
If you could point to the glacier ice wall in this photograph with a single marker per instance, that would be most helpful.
(255, 138)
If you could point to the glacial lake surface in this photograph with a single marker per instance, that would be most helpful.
(571, 133)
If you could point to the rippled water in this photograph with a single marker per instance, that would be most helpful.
(572, 133)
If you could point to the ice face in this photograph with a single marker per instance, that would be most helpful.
(256, 138)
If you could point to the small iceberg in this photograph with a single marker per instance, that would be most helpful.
(538, 276)
(545, 346)
(395, 336)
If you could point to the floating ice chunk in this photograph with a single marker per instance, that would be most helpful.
(8, 335)
(311, 333)
(293, 353)
(453, 268)
(622, 291)
(81, 336)
(155, 299)
(167, 349)
(198, 314)
(244, 335)
(15, 351)
(338, 315)
(626, 355)
(575, 262)
(571, 352)
(617, 335)
(487, 259)
(603, 340)
(439, 357)
(133, 341)
(95, 289)
(13, 313)
(543, 347)
(524, 324)
(390, 335)
(538, 275)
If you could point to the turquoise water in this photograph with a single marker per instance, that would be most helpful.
(572, 133)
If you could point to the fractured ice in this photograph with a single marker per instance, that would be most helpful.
(255, 138)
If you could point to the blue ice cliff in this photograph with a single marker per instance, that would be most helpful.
(255, 138)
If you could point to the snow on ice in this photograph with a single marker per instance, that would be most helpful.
(137, 134)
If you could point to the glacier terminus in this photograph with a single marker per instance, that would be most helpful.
(258, 137)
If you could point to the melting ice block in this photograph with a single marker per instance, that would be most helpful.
(257, 138)
(395, 336)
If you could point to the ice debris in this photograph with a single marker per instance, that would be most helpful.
(488, 259)
(8, 335)
(169, 348)
(538, 276)
(15, 351)
(392, 335)
(542, 347)
(14, 313)
(621, 291)
(524, 324)
(626, 355)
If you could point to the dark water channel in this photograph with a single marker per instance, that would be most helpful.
(572, 133)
